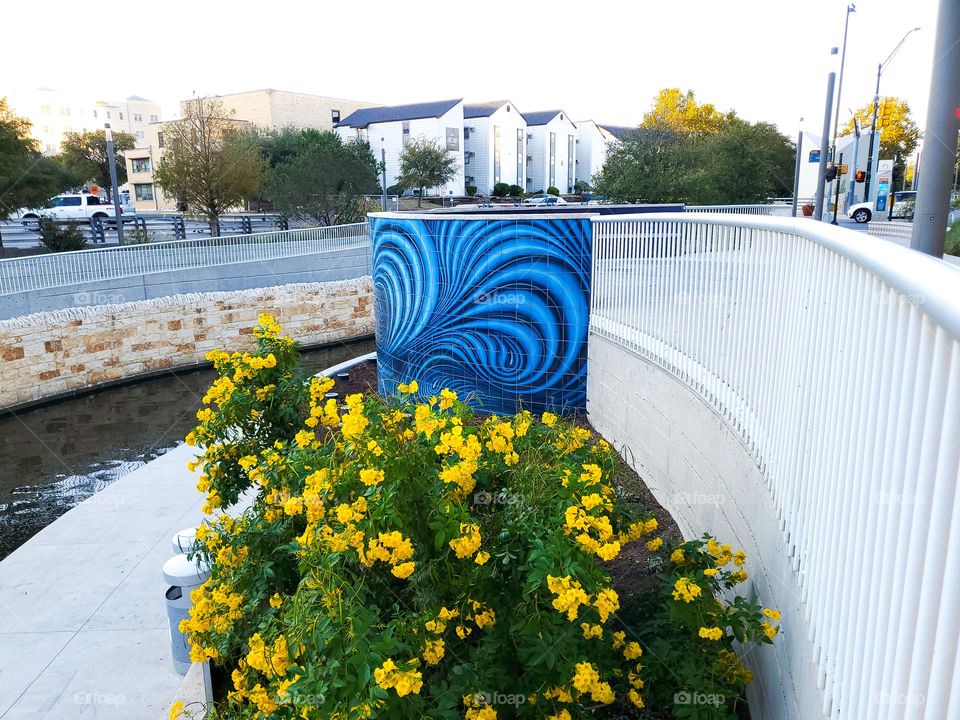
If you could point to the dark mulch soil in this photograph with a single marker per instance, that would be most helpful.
(361, 378)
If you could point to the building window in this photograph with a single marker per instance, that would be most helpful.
(45, 109)
(406, 131)
(64, 111)
(519, 156)
(496, 154)
(137, 117)
(121, 116)
(453, 139)
(553, 160)
(140, 135)
(94, 113)
(140, 165)
(159, 139)
(108, 114)
(154, 118)
(570, 156)
(143, 191)
(335, 116)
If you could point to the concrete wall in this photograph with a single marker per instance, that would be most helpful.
(53, 353)
(316, 267)
(700, 471)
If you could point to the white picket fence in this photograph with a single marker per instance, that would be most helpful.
(57, 269)
(767, 210)
(837, 361)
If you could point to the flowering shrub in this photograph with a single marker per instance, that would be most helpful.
(407, 559)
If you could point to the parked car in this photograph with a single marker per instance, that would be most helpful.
(901, 207)
(543, 200)
(72, 207)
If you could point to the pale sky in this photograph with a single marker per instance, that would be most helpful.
(766, 59)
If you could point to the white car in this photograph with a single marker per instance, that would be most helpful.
(543, 200)
(863, 212)
(72, 207)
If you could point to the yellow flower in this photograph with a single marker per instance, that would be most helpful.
(409, 388)
(772, 614)
(404, 570)
(177, 710)
(591, 631)
(433, 651)
(369, 476)
(677, 557)
(685, 590)
(468, 542)
(711, 572)
(447, 398)
(654, 545)
(769, 630)
(482, 557)
(607, 602)
(632, 651)
(276, 601)
(711, 633)
(548, 419)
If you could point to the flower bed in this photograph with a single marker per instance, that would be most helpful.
(408, 558)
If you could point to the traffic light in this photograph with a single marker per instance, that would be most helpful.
(860, 176)
(831, 173)
(886, 112)
(841, 169)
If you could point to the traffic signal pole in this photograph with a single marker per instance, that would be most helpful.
(836, 202)
(873, 138)
(824, 149)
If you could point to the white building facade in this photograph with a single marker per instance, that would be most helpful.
(593, 144)
(494, 143)
(551, 151)
(54, 113)
(389, 128)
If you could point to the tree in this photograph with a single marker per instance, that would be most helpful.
(84, 154)
(901, 135)
(323, 178)
(27, 178)
(680, 112)
(209, 161)
(424, 164)
(746, 163)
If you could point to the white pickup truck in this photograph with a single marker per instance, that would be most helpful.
(71, 207)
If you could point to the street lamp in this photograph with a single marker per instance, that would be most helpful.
(114, 191)
(876, 101)
(851, 8)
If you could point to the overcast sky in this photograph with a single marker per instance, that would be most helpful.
(766, 59)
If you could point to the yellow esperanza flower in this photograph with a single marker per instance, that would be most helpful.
(591, 631)
(632, 651)
(606, 603)
(684, 589)
(586, 679)
(369, 476)
(447, 398)
(548, 419)
(482, 557)
(655, 544)
(677, 557)
(569, 595)
(276, 601)
(769, 630)
(772, 614)
(433, 651)
(711, 633)
(389, 676)
(468, 542)
(408, 388)
(176, 710)
(403, 570)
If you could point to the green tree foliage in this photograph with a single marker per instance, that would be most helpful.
(84, 155)
(27, 178)
(319, 176)
(210, 162)
(691, 153)
(424, 164)
(898, 136)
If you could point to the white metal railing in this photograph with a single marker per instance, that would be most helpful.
(58, 269)
(774, 210)
(901, 230)
(837, 361)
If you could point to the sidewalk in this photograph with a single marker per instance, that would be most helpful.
(85, 631)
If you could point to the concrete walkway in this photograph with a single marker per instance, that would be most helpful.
(84, 631)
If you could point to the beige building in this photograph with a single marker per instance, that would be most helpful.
(54, 113)
(264, 108)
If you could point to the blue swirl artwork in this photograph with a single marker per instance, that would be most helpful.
(496, 309)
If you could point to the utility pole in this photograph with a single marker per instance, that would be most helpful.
(851, 181)
(383, 173)
(112, 160)
(836, 202)
(940, 138)
(796, 171)
(843, 59)
(824, 149)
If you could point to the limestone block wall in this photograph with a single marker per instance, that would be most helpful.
(48, 354)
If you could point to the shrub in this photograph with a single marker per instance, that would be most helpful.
(61, 238)
(471, 190)
(515, 191)
(553, 191)
(396, 189)
(500, 190)
(408, 559)
(580, 186)
(136, 235)
(951, 245)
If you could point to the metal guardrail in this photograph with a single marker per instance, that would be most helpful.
(891, 229)
(837, 362)
(58, 269)
(769, 210)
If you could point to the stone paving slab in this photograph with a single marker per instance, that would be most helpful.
(85, 631)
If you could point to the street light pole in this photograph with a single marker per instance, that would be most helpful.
(796, 170)
(112, 160)
(943, 122)
(873, 126)
(851, 8)
(383, 171)
(824, 149)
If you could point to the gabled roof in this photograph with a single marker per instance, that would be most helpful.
(368, 116)
(485, 109)
(137, 98)
(621, 132)
(544, 116)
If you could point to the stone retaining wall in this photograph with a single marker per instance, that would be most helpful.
(51, 353)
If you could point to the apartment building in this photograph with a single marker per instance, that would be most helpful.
(54, 113)
(389, 128)
(551, 151)
(593, 143)
(278, 108)
(494, 145)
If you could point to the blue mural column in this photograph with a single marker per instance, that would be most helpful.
(496, 308)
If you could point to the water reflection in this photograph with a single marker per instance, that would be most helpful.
(58, 455)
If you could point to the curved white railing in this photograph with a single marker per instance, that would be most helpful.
(836, 359)
(774, 210)
(57, 269)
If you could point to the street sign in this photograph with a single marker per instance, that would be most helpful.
(814, 156)
(883, 192)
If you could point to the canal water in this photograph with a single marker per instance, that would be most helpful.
(55, 456)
